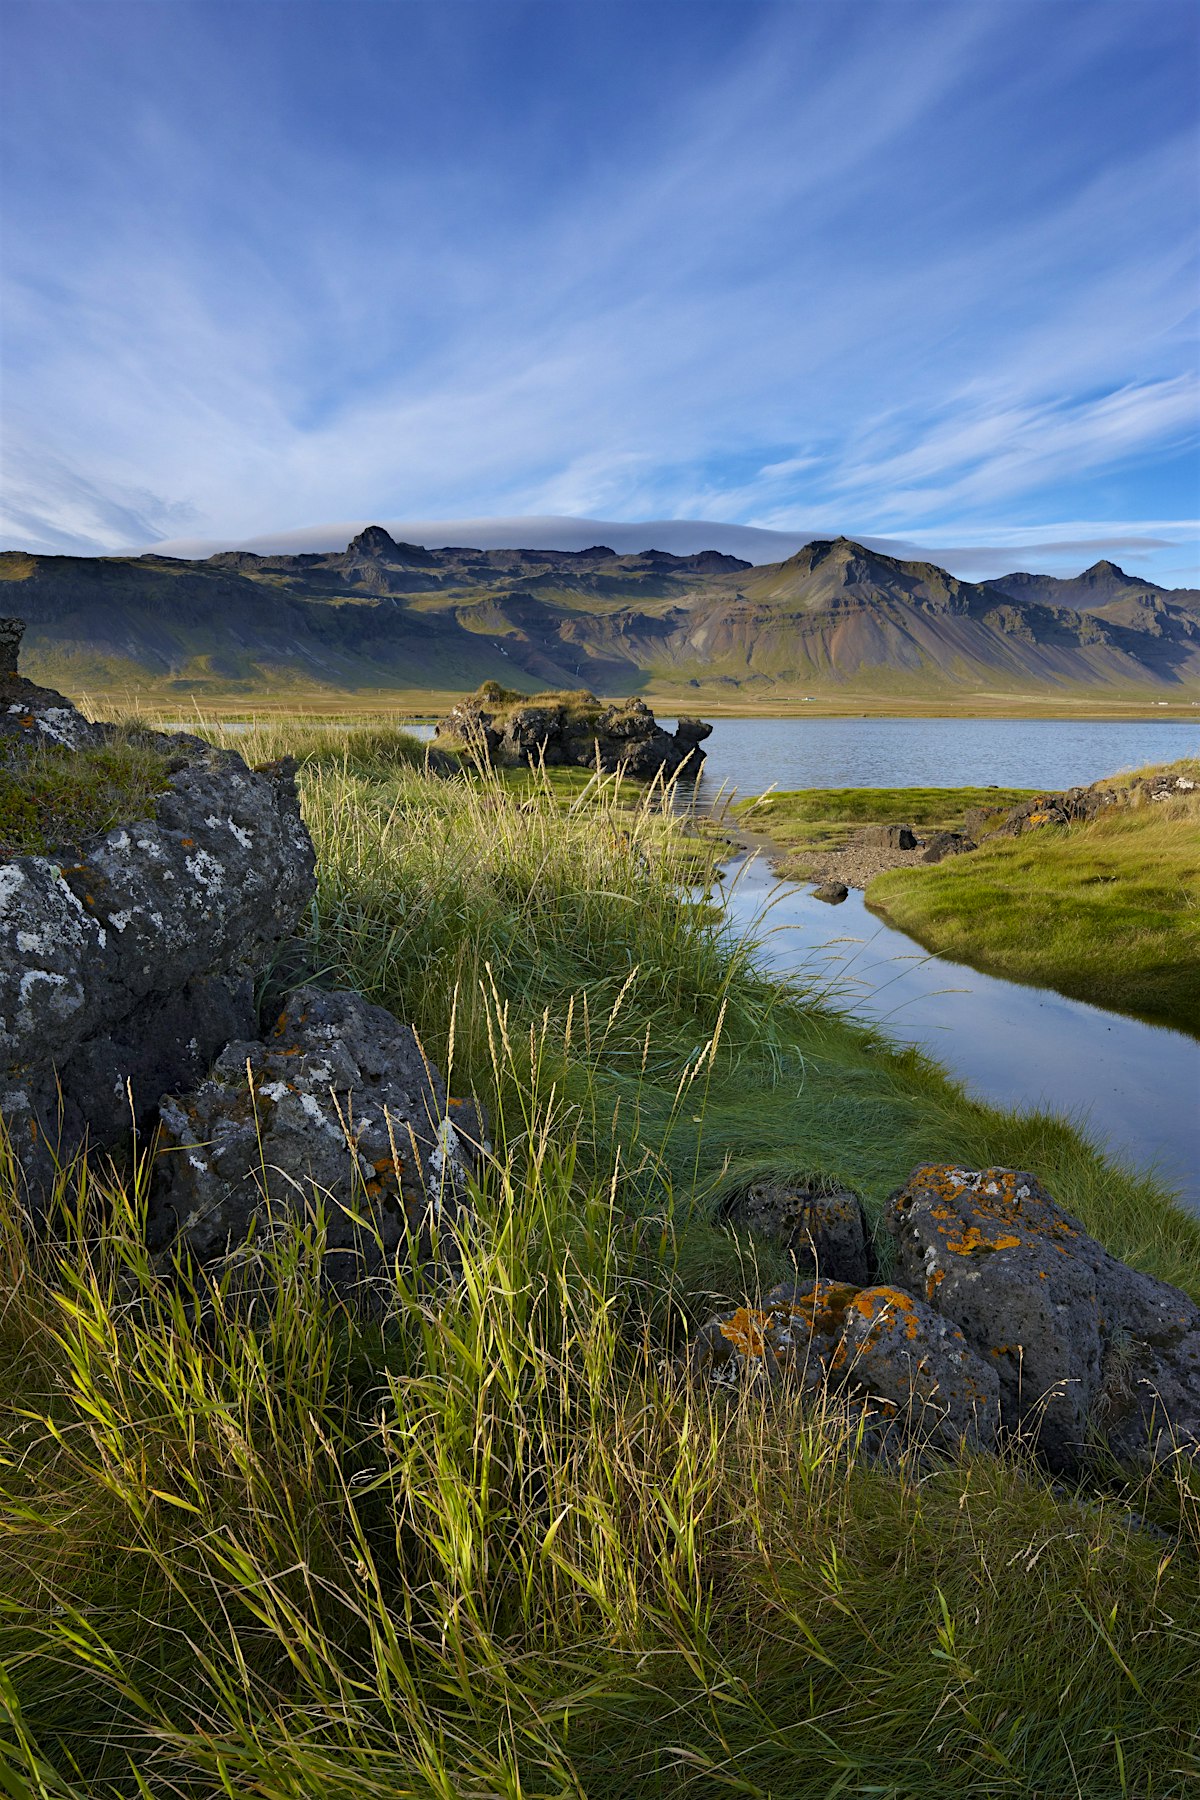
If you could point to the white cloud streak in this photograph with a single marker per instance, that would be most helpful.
(777, 306)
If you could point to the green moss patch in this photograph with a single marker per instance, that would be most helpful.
(56, 797)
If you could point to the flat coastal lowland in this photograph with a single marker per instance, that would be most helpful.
(579, 1446)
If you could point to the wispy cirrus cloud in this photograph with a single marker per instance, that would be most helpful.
(824, 271)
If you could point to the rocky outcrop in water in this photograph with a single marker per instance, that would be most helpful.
(1002, 1316)
(508, 731)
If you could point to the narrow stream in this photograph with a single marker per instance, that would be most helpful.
(1133, 1086)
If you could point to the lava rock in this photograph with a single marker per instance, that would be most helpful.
(578, 731)
(125, 968)
(907, 1355)
(910, 1368)
(832, 892)
(824, 1231)
(793, 1336)
(1086, 1349)
(338, 1112)
(1045, 809)
(946, 843)
(886, 837)
(11, 633)
(978, 821)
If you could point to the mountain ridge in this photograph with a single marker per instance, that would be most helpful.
(383, 615)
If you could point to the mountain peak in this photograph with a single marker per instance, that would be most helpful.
(372, 541)
(1105, 570)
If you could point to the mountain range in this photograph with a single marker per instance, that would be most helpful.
(383, 618)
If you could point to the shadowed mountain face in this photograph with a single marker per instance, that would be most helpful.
(383, 616)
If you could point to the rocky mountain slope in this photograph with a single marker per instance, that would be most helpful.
(387, 617)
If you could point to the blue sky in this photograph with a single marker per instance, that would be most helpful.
(920, 272)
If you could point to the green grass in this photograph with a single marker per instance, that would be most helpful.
(499, 1547)
(1107, 912)
(374, 751)
(816, 819)
(52, 797)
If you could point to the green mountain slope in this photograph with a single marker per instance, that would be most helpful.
(384, 617)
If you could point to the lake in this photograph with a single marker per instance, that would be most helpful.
(1134, 1086)
(754, 754)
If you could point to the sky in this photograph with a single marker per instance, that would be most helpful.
(919, 272)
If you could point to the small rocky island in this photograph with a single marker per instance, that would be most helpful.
(507, 729)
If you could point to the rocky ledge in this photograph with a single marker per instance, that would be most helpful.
(1002, 1320)
(509, 730)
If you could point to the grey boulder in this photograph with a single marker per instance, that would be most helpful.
(125, 967)
(946, 843)
(337, 1113)
(909, 1367)
(1088, 1351)
(885, 837)
(824, 1231)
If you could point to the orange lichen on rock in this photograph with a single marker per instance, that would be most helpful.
(747, 1330)
(880, 1305)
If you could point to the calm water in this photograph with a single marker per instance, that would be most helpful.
(1134, 1086)
(754, 754)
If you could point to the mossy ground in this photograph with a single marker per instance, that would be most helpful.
(51, 797)
(501, 1546)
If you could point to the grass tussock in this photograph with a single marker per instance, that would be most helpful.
(499, 1545)
(1107, 911)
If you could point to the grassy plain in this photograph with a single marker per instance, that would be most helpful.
(426, 702)
(499, 1546)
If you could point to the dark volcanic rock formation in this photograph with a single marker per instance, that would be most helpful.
(824, 1230)
(578, 729)
(11, 633)
(1003, 1315)
(127, 964)
(1086, 1348)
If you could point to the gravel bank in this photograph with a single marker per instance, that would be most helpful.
(855, 865)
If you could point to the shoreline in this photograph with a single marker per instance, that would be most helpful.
(425, 705)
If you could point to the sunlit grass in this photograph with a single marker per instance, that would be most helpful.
(52, 797)
(1107, 912)
(500, 1545)
(815, 819)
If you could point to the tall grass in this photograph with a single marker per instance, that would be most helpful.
(500, 1545)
